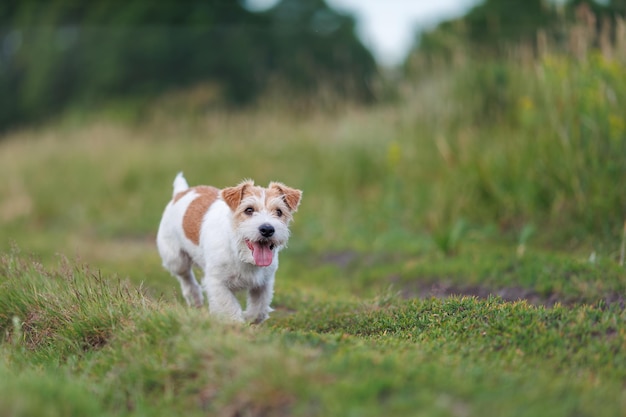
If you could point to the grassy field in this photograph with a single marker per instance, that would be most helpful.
(456, 253)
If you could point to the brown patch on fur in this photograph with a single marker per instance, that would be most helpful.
(290, 196)
(192, 220)
(232, 196)
(250, 195)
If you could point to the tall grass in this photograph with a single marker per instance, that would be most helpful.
(537, 139)
(61, 312)
(553, 148)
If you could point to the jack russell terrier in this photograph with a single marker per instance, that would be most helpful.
(234, 235)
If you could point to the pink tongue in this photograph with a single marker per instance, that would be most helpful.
(262, 254)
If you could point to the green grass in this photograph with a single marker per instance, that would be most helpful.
(77, 344)
(423, 224)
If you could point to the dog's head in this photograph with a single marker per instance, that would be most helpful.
(261, 218)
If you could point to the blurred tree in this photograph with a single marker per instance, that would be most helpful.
(490, 26)
(497, 22)
(494, 25)
(65, 52)
(609, 8)
(312, 42)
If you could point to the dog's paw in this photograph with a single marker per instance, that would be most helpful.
(194, 298)
(255, 317)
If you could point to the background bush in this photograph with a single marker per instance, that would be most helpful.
(64, 53)
(540, 142)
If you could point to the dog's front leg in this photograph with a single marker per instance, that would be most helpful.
(222, 301)
(258, 305)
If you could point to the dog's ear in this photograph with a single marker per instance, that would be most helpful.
(232, 196)
(291, 196)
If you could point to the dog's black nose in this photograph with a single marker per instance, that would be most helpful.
(266, 230)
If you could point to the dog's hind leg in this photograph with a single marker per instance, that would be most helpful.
(180, 266)
(190, 288)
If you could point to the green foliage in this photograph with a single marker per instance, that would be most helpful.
(498, 84)
(490, 28)
(494, 24)
(448, 240)
(50, 394)
(62, 312)
(578, 106)
(604, 9)
(62, 54)
(493, 28)
(554, 143)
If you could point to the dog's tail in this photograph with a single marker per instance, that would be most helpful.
(180, 184)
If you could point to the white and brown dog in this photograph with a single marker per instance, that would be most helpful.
(234, 235)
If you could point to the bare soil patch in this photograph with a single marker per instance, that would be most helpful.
(420, 288)
(442, 287)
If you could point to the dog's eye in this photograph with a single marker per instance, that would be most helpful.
(279, 212)
(249, 211)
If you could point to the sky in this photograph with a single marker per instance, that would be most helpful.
(389, 27)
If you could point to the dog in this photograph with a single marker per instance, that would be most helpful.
(234, 235)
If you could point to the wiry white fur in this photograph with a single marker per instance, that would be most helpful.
(222, 254)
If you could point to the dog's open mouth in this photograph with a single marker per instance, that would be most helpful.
(262, 252)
